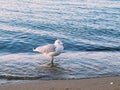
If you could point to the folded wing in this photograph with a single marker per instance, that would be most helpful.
(46, 49)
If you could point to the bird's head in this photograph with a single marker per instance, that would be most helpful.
(58, 42)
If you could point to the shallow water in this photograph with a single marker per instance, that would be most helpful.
(89, 29)
(70, 65)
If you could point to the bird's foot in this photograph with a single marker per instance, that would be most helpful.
(51, 64)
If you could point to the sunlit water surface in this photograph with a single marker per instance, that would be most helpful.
(89, 29)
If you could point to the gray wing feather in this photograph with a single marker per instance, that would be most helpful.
(47, 48)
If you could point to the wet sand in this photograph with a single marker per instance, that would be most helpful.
(107, 83)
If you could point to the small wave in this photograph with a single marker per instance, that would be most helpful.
(95, 48)
(26, 30)
(23, 37)
(31, 66)
(10, 77)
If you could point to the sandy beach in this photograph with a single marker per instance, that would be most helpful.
(107, 83)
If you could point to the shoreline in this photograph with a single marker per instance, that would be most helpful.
(105, 83)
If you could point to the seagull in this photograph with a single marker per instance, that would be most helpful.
(51, 50)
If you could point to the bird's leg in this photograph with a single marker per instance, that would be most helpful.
(52, 60)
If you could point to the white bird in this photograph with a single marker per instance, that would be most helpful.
(51, 50)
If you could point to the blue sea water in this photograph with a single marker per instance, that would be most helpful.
(89, 29)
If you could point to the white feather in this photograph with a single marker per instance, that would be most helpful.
(51, 50)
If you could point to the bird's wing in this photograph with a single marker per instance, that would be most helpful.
(47, 48)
